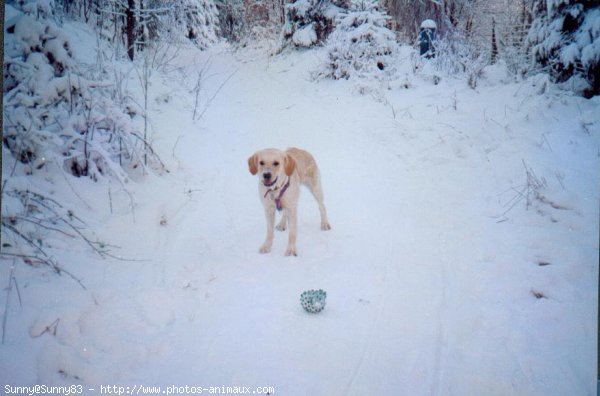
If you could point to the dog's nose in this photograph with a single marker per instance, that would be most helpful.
(267, 176)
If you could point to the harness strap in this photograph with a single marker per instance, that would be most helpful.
(281, 192)
(278, 199)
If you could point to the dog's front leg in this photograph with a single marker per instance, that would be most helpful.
(270, 215)
(292, 224)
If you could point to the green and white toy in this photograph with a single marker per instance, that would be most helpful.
(313, 301)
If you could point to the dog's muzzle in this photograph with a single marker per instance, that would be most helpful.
(267, 180)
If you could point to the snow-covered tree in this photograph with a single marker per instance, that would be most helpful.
(250, 22)
(60, 118)
(512, 22)
(55, 113)
(458, 56)
(195, 20)
(361, 45)
(136, 24)
(565, 40)
(309, 22)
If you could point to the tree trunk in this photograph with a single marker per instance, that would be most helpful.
(494, 44)
(130, 28)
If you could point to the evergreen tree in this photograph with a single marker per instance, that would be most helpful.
(361, 44)
(564, 39)
(309, 22)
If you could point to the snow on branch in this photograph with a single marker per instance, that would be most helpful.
(55, 113)
(564, 40)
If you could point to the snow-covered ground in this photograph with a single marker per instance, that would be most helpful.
(447, 271)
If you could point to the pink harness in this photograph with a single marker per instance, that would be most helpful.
(278, 199)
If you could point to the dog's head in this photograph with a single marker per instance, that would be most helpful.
(271, 165)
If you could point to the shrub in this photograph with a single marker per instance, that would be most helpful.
(309, 22)
(54, 113)
(361, 45)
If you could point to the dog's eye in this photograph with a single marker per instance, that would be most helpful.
(275, 163)
(262, 163)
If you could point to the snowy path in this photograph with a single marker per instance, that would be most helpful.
(429, 283)
(410, 267)
(331, 353)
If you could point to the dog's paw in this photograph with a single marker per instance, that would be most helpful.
(291, 252)
(266, 248)
(325, 226)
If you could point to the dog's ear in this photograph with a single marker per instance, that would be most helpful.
(253, 164)
(289, 165)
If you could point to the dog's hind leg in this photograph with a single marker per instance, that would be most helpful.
(314, 185)
(292, 217)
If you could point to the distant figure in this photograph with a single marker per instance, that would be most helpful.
(426, 37)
